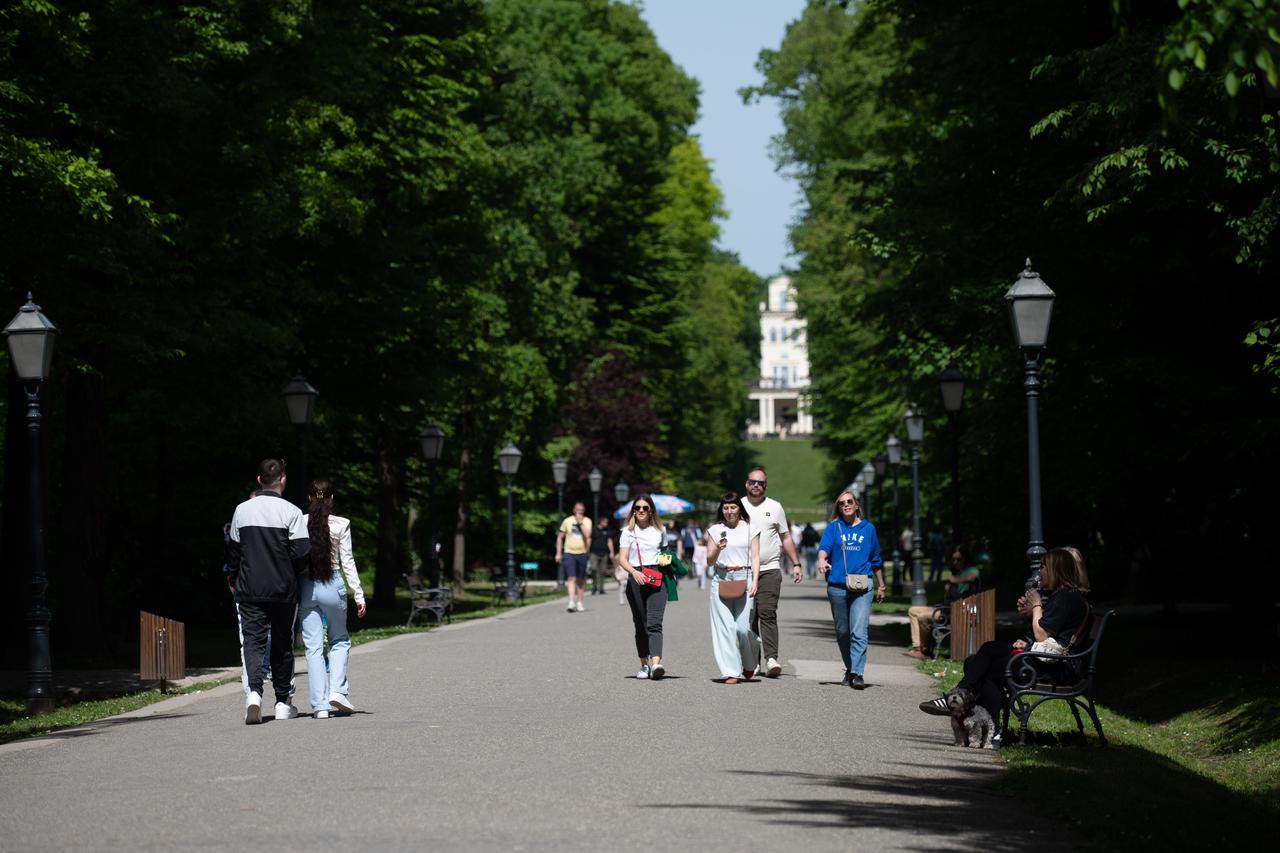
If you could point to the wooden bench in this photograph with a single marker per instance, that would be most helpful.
(498, 574)
(435, 601)
(966, 624)
(1031, 679)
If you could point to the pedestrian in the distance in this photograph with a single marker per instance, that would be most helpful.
(572, 543)
(733, 548)
(602, 554)
(267, 551)
(849, 556)
(638, 548)
(323, 599)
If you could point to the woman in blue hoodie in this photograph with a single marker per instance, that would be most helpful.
(849, 557)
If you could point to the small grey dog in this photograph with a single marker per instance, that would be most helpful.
(970, 722)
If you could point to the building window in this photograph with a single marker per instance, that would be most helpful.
(773, 335)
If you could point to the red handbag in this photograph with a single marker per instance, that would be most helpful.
(652, 577)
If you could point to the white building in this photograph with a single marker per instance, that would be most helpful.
(781, 391)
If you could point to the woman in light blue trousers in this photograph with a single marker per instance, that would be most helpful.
(322, 602)
(733, 549)
(849, 557)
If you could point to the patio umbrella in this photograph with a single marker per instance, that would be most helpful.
(664, 504)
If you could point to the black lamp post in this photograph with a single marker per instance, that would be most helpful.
(1030, 309)
(914, 419)
(509, 462)
(300, 399)
(30, 336)
(868, 477)
(559, 473)
(595, 479)
(432, 441)
(894, 447)
(951, 382)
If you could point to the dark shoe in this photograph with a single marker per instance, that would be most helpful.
(844, 682)
(856, 682)
(997, 741)
(937, 707)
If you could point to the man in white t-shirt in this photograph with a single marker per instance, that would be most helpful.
(775, 538)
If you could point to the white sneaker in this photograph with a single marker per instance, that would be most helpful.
(657, 671)
(644, 672)
(570, 608)
(580, 607)
(319, 715)
(253, 708)
(772, 668)
(285, 711)
(338, 702)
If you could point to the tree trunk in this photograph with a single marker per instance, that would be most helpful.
(82, 534)
(386, 575)
(460, 525)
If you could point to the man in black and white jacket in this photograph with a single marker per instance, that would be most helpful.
(267, 551)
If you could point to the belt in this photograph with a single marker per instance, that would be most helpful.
(733, 568)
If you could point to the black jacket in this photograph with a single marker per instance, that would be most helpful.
(268, 549)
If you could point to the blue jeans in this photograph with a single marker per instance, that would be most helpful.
(851, 611)
(322, 603)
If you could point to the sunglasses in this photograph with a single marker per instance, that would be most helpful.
(757, 482)
(846, 503)
(642, 508)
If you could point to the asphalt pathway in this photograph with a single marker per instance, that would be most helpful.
(530, 732)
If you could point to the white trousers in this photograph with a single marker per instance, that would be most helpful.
(734, 644)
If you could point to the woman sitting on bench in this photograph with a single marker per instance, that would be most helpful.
(1059, 616)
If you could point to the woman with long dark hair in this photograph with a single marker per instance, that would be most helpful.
(323, 599)
(733, 548)
(638, 548)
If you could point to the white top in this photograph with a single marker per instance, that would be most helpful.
(771, 520)
(340, 539)
(738, 550)
(650, 539)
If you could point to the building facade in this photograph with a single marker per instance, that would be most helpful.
(780, 395)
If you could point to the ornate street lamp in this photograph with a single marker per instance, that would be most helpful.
(30, 337)
(432, 440)
(595, 479)
(881, 463)
(894, 447)
(951, 383)
(621, 492)
(300, 400)
(1030, 310)
(509, 463)
(914, 420)
(868, 477)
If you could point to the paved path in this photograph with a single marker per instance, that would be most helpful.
(528, 732)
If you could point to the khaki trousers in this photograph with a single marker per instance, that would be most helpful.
(764, 618)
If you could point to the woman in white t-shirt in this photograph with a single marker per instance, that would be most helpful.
(638, 548)
(733, 548)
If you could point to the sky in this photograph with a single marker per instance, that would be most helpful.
(717, 42)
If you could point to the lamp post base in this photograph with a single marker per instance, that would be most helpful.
(512, 594)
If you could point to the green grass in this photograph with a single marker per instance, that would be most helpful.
(473, 603)
(796, 471)
(1194, 755)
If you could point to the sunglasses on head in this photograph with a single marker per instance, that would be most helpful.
(757, 482)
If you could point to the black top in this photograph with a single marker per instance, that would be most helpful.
(600, 540)
(1064, 612)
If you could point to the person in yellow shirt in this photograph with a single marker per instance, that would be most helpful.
(571, 553)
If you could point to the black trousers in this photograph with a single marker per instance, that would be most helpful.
(257, 619)
(984, 674)
(648, 606)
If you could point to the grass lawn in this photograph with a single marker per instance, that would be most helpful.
(796, 475)
(1194, 760)
(473, 603)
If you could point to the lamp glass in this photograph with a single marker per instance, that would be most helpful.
(509, 459)
(432, 440)
(952, 384)
(30, 338)
(881, 464)
(621, 492)
(869, 474)
(914, 420)
(300, 398)
(894, 446)
(1030, 309)
(559, 471)
(595, 479)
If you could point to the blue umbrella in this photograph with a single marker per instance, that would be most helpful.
(664, 504)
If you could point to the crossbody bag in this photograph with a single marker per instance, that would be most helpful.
(853, 583)
(652, 577)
